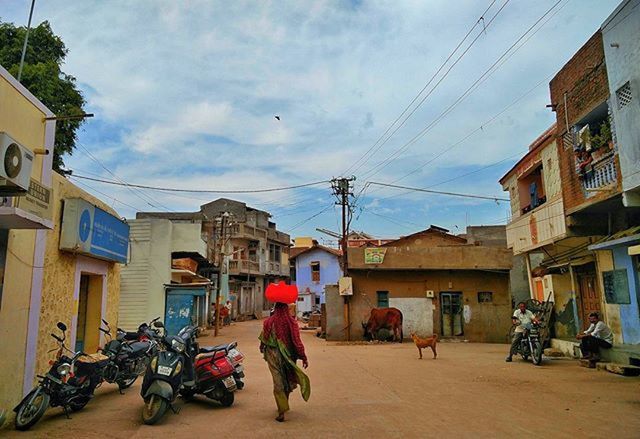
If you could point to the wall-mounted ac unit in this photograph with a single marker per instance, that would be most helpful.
(16, 162)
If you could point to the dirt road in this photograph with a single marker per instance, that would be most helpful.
(383, 391)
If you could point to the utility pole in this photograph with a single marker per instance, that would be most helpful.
(220, 259)
(26, 41)
(342, 190)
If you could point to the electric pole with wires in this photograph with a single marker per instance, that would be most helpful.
(342, 189)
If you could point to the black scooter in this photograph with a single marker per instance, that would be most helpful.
(69, 383)
(129, 354)
(163, 378)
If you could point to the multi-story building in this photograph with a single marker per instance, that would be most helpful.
(252, 251)
(574, 195)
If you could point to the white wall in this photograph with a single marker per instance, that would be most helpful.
(187, 236)
(417, 315)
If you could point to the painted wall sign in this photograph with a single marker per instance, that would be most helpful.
(36, 201)
(90, 230)
(374, 255)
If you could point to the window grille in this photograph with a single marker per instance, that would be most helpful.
(624, 96)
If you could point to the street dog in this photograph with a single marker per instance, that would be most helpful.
(423, 343)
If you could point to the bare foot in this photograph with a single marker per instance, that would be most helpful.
(280, 417)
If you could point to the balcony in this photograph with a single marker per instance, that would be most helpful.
(601, 174)
(538, 227)
(244, 266)
(248, 232)
(277, 269)
(282, 238)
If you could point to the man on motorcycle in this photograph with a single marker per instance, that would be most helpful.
(521, 317)
(597, 336)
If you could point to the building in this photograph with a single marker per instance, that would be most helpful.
(314, 267)
(60, 251)
(572, 195)
(442, 284)
(227, 241)
(167, 272)
(254, 251)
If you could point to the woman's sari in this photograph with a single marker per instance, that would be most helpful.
(282, 346)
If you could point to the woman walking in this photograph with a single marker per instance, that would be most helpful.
(281, 345)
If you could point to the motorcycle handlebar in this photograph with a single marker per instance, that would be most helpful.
(56, 337)
(104, 330)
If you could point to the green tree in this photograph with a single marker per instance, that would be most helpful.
(42, 75)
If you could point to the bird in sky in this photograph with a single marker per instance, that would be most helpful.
(277, 117)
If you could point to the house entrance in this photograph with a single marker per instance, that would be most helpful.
(588, 289)
(451, 314)
(89, 313)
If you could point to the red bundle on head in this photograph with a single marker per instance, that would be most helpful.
(281, 292)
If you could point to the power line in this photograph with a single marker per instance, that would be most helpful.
(106, 195)
(204, 191)
(373, 149)
(306, 220)
(494, 67)
(146, 199)
(453, 194)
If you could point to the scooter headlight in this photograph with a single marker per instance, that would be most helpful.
(64, 369)
(154, 363)
(177, 345)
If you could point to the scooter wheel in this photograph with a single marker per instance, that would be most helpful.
(154, 409)
(227, 399)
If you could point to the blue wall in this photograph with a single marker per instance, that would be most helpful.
(330, 271)
(629, 314)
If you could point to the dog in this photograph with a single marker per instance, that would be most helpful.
(423, 343)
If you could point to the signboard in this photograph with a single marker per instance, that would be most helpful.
(616, 286)
(374, 255)
(345, 286)
(90, 230)
(36, 201)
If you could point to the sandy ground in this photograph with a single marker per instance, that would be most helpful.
(383, 391)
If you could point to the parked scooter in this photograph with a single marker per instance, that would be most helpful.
(183, 369)
(129, 353)
(234, 356)
(531, 345)
(69, 383)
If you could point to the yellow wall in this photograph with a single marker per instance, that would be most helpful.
(58, 303)
(611, 312)
(24, 122)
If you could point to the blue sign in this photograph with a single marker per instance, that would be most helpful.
(90, 230)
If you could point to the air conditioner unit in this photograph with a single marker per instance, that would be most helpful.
(16, 162)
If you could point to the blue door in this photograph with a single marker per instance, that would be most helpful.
(178, 312)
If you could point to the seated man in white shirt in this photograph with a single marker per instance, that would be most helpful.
(521, 317)
(597, 336)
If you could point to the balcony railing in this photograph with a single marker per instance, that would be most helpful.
(237, 266)
(277, 236)
(603, 173)
(246, 231)
(278, 269)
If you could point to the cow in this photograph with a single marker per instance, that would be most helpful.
(384, 318)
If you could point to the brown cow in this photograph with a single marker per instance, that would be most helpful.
(384, 318)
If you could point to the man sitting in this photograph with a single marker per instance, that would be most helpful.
(523, 318)
(597, 336)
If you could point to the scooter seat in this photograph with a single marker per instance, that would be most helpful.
(210, 349)
(138, 347)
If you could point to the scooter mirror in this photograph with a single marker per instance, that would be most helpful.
(62, 326)
(158, 325)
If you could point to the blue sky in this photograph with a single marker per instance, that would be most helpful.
(185, 95)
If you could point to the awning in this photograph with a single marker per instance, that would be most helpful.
(573, 262)
(624, 238)
(634, 250)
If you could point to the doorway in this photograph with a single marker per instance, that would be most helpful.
(588, 289)
(89, 313)
(451, 314)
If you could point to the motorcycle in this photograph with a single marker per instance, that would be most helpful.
(183, 368)
(69, 383)
(235, 357)
(530, 344)
(129, 354)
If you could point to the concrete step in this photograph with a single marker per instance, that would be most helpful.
(619, 369)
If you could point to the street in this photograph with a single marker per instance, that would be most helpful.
(383, 391)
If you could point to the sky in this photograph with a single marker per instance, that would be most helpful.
(185, 95)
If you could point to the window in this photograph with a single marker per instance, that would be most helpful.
(383, 299)
(531, 190)
(485, 297)
(315, 271)
(274, 252)
(292, 269)
(624, 96)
